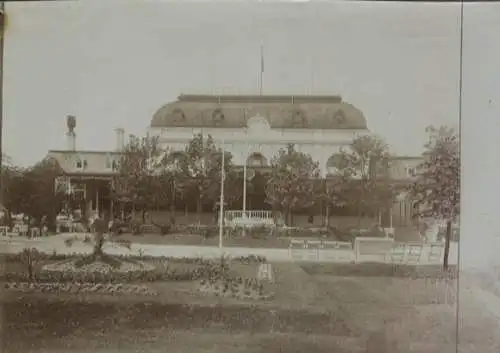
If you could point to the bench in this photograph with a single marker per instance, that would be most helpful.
(373, 249)
(398, 253)
(414, 252)
(304, 250)
(407, 252)
(435, 252)
(335, 251)
(318, 250)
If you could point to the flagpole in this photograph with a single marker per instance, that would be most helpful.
(221, 208)
(245, 161)
(261, 67)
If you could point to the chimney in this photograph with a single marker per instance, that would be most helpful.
(70, 134)
(71, 141)
(120, 139)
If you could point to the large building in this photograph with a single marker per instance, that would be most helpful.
(253, 128)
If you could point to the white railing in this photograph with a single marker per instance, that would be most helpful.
(370, 250)
(249, 218)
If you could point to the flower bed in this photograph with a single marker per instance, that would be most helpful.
(263, 232)
(132, 271)
(166, 274)
(237, 288)
(75, 288)
(98, 266)
(250, 259)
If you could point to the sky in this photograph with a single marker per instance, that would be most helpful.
(114, 63)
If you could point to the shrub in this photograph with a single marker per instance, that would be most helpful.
(301, 232)
(29, 257)
(251, 259)
(341, 235)
(260, 232)
(165, 229)
(237, 288)
(135, 226)
(206, 231)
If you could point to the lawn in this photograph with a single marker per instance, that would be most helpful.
(249, 241)
(315, 308)
(198, 240)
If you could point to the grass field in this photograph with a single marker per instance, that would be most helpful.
(316, 308)
(402, 234)
(194, 239)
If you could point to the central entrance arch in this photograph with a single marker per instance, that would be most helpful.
(256, 159)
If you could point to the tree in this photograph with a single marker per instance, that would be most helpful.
(291, 185)
(364, 171)
(10, 175)
(31, 191)
(99, 228)
(198, 169)
(30, 257)
(437, 188)
(142, 179)
(332, 193)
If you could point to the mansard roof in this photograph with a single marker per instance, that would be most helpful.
(282, 112)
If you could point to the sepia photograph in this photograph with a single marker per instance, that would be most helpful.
(240, 177)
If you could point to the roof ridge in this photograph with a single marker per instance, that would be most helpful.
(255, 98)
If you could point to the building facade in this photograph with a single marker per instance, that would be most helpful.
(404, 170)
(88, 175)
(253, 128)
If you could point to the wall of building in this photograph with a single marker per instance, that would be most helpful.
(258, 137)
(404, 170)
(87, 162)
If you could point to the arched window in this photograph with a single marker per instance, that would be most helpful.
(256, 160)
(78, 163)
(411, 172)
(334, 164)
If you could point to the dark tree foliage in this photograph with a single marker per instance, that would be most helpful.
(437, 189)
(143, 180)
(198, 169)
(292, 182)
(363, 169)
(32, 190)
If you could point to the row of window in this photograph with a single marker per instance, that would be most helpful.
(110, 164)
(256, 160)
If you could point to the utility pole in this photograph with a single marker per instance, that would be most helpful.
(221, 207)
